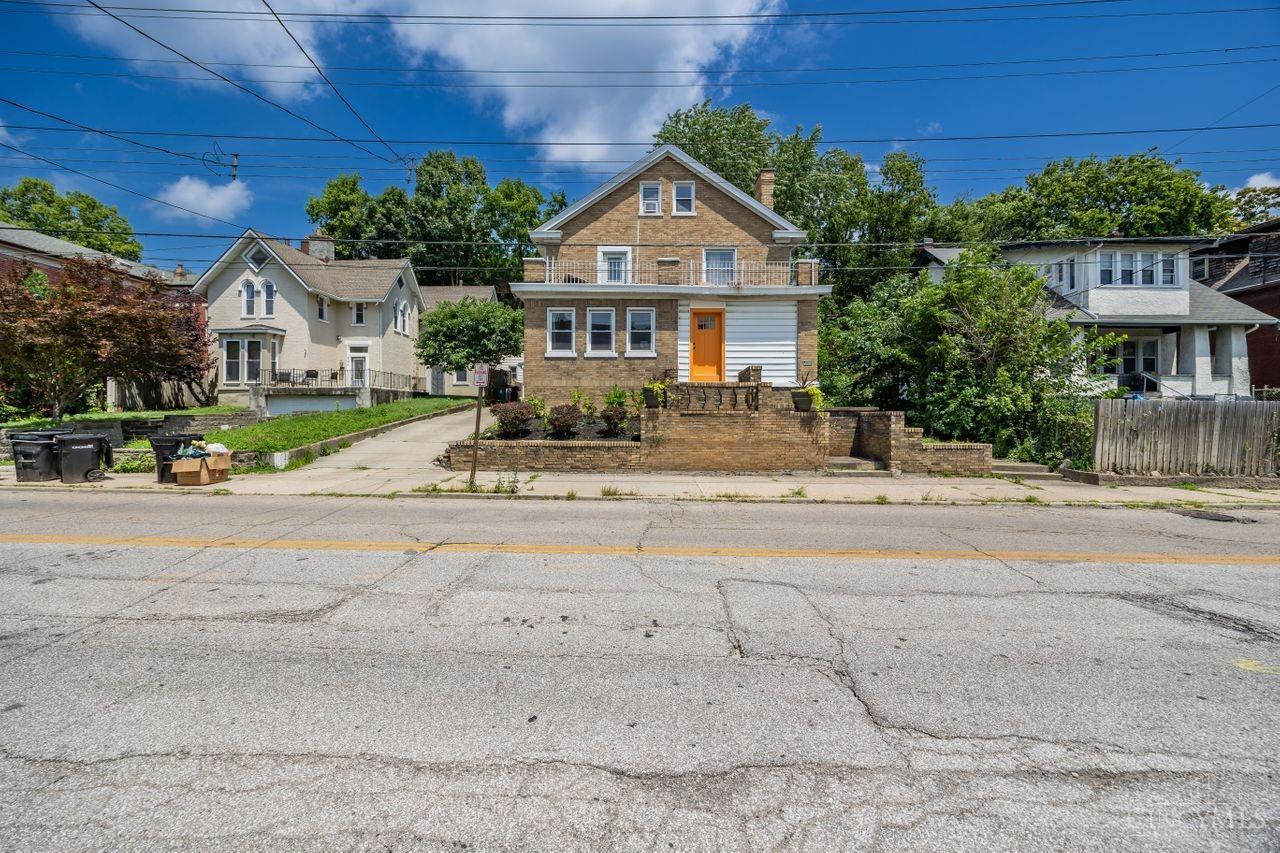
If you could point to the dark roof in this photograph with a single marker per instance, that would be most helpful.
(1207, 306)
(347, 280)
(433, 295)
(1103, 241)
(34, 241)
(941, 254)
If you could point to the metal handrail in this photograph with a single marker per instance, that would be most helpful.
(1161, 383)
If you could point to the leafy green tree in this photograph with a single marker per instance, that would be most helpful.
(971, 357)
(1135, 195)
(734, 142)
(470, 331)
(36, 204)
(1255, 205)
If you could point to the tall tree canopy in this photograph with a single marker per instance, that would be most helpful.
(453, 210)
(1135, 195)
(36, 204)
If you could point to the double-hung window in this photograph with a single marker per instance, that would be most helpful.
(1199, 268)
(322, 308)
(1168, 270)
(1126, 267)
(250, 294)
(231, 362)
(275, 359)
(460, 377)
(719, 265)
(253, 361)
(682, 201)
(640, 323)
(600, 332)
(268, 299)
(650, 198)
(560, 331)
(1106, 268)
(1147, 266)
(1071, 274)
(357, 313)
(614, 265)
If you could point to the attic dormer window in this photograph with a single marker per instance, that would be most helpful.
(257, 257)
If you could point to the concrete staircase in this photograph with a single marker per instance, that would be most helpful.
(855, 466)
(1023, 470)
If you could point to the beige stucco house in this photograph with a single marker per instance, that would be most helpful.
(295, 321)
(667, 269)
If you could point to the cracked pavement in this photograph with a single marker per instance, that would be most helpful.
(347, 696)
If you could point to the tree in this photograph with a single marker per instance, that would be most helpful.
(1136, 195)
(61, 337)
(459, 334)
(734, 142)
(454, 227)
(972, 357)
(1255, 205)
(36, 204)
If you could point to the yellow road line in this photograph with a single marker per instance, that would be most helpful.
(535, 549)
(1258, 666)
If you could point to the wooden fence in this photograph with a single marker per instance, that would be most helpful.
(1228, 437)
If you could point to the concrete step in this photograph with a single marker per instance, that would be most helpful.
(855, 466)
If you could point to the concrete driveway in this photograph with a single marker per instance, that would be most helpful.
(395, 461)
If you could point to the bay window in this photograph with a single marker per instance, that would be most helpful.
(231, 361)
(253, 361)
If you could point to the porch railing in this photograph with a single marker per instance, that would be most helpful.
(339, 378)
(714, 397)
(740, 274)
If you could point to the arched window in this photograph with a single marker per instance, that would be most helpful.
(268, 299)
(250, 299)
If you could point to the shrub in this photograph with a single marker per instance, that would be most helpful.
(615, 420)
(579, 399)
(562, 421)
(539, 407)
(512, 418)
(134, 464)
(617, 396)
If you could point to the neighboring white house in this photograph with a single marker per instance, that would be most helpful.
(1182, 339)
(296, 322)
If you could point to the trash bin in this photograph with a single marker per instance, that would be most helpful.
(83, 457)
(35, 458)
(165, 447)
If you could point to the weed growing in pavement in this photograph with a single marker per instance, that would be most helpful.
(882, 499)
(731, 496)
(1034, 500)
(1190, 487)
(571, 495)
(797, 492)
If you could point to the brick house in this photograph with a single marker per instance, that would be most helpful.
(667, 269)
(1246, 267)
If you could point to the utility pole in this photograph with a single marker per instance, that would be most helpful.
(235, 166)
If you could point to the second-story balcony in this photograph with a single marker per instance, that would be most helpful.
(621, 272)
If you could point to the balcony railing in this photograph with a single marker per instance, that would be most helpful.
(741, 274)
(339, 378)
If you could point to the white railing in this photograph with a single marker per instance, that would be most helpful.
(742, 274)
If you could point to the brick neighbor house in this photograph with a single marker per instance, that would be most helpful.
(667, 269)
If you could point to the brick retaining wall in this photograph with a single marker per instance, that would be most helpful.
(886, 437)
(548, 455)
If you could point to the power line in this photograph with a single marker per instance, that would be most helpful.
(120, 187)
(747, 84)
(223, 77)
(325, 78)
(994, 137)
(651, 71)
(107, 133)
(809, 19)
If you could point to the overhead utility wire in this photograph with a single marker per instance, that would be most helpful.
(375, 19)
(743, 84)
(647, 71)
(107, 133)
(325, 78)
(992, 137)
(227, 79)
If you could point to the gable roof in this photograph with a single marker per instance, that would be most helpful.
(784, 230)
(368, 280)
(43, 244)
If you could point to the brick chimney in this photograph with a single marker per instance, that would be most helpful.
(764, 187)
(318, 246)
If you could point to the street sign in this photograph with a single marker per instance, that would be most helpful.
(481, 375)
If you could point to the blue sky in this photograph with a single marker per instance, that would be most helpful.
(128, 90)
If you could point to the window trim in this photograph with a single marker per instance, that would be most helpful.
(363, 312)
(601, 267)
(248, 361)
(226, 361)
(1108, 267)
(652, 352)
(1168, 264)
(658, 210)
(466, 376)
(612, 350)
(572, 352)
(273, 348)
(322, 308)
(693, 198)
(249, 298)
(272, 302)
(1203, 263)
(733, 269)
(248, 253)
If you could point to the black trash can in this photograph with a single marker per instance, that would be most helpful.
(35, 458)
(83, 458)
(164, 447)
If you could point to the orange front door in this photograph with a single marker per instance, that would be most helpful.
(706, 346)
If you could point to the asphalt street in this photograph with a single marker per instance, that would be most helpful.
(232, 672)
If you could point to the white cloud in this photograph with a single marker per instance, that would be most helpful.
(1261, 180)
(547, 115)
(225, 202)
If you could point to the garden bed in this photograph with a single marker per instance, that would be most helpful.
(589, 429)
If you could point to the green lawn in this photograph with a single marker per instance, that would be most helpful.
(39, 423)
(286, 433)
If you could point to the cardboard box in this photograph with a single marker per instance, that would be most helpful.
(202, 472)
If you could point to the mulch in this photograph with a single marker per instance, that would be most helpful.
(590, 429)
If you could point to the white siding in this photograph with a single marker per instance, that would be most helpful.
(756, 331)
(764, 333)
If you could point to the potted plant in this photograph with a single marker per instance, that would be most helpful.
(655, 394)
(807, 397)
